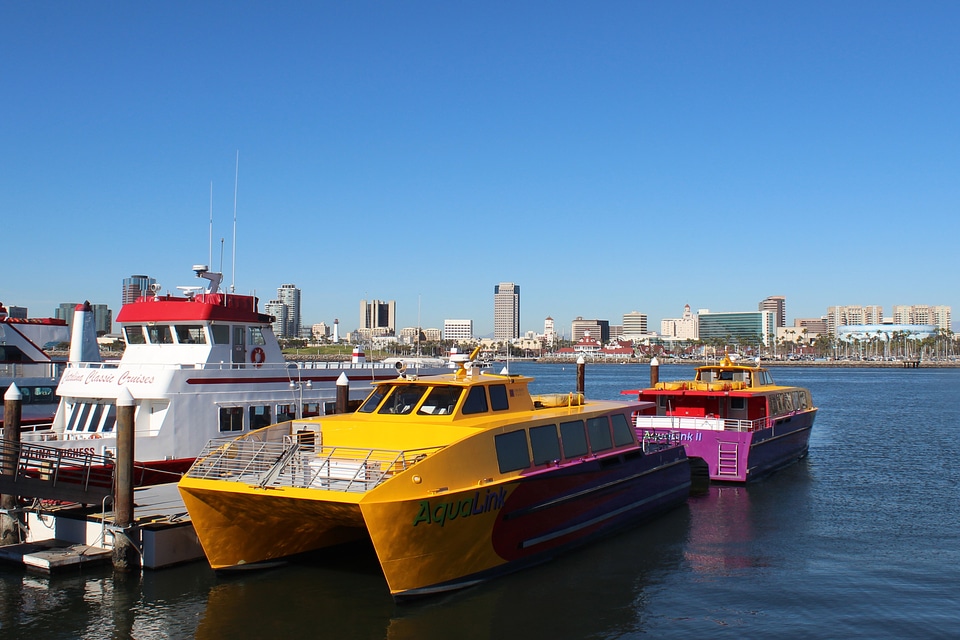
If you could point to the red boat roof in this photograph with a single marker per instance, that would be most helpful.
(203, 307)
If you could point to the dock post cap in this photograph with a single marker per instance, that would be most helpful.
(13, 392)
(125, 398)
(343, 380)
(580, 360)
(654, 362)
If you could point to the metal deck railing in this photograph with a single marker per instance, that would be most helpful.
(52, 473)
(294, 463)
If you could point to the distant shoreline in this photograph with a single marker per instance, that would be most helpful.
(841, 364)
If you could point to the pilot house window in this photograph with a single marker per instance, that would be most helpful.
(512, 451)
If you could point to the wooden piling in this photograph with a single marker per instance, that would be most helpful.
(343, 393)
(126, 556)
(581, 374)
(654, 372)
(12, 413)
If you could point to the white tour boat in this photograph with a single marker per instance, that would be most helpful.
(199, 366)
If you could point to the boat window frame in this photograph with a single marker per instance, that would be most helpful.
(545, 444)
(260, 416)
(376, 396)
(513, 451)
(598, 433)
(190, 333)
(227, 415)
(439, 406)
(255, 337)
(127, 333)
(220, 333)
(159, 334)
(499, 400)
(570, 426)
(475, 396)
(623, 433)
(403, 399)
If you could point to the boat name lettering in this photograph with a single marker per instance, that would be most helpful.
(129, 378)
(684, 437)
(474, 505)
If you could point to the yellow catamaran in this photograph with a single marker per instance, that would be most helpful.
(455, 478)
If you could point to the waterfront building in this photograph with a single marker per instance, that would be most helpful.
(17, 313)
(634, 326)
(885, 332)
(377, 314)
(280, 312)
(506, 311)
(744, 326)
(289, 295)
(922, 314)
(102, 316)
(549, 335)
(320, 331)
(458, 330)
(683, 328)
(852, 314)
(136, 286)
(599, 329)
(778, 305)
(812, 325)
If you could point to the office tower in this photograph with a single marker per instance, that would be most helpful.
(136, 286)
(289, 295)
(458, 330)
(506, 311)
(377, 314)
(778, 305)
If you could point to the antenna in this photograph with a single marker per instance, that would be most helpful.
(210, 259)
(236, 178)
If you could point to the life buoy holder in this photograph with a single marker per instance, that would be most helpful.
(96, 436)
(257, 356)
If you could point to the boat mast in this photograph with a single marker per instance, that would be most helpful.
(236, 178)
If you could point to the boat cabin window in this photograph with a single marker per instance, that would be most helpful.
(512, 451)
(92, 417)
(159, 334)
(403, 399)
(134, 334)
(574, 439)
(622, 432)
(256, 337)
(231, 419)
(599, 430)
(221, 333)
(286, 412)
(191, 334)
(725, 375)
(379, 393)
(476, 401)
(311, 409)
(738, 404)
(34, 395)
(545, 443)
(441, 400)
(259, 416)
(498, 397)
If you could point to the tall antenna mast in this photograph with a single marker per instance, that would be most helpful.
(210, 258)
(236, 178)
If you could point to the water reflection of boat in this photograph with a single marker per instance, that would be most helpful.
(456, 478)
(721, 530)
(733, 417)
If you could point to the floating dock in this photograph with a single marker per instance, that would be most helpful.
(71, 535)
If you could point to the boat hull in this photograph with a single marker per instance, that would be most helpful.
(744, 456)
(439, 543)
(249, 525)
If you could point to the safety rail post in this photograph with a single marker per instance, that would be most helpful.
(126, 555)
(12, 414)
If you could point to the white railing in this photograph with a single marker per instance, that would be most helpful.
(297, 462)
(650, 423)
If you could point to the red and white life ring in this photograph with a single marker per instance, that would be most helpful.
(257, 356)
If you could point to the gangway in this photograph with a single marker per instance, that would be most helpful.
(51, 473)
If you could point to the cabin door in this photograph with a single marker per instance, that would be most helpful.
(239, 345)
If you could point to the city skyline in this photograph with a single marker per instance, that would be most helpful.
(629, 156)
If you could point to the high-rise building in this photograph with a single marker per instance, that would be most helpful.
(684, 328)
(506, 311)
(549, 335)
(599, 330)
(458, 330)
(922, 314)
(136, 286)
(281, 317)
(102, 316)
(840, 316)
(744, 326)
(377, 314)
(289, 296)
(778, 305)
(634, 324)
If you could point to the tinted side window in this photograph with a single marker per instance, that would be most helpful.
(498, 397)
(476, 401)
(574, 439)
(622, 433)
(545, 443)
(599, 430)
(512, 451)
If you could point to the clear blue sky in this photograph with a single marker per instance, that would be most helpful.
(608, 157)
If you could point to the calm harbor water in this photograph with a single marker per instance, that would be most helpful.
(861, 539)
